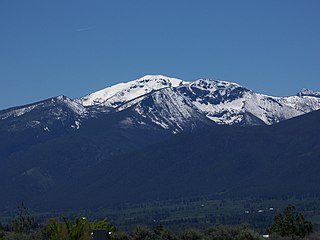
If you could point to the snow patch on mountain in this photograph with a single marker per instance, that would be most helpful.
(169, 110)
(73, 105)
(20, 111)
(268, 109)
(17, 112)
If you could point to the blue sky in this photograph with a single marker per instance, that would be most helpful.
(74, 47)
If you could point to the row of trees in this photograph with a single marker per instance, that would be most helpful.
(290, 224)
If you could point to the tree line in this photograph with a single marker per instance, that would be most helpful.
(290, 224)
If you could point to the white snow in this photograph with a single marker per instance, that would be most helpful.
(307, 92)
(18, 112)
(230, 111)
(123, 92)
(213, 85)
(268, 109)
(77, 124)
(73, 105)
(170, 109)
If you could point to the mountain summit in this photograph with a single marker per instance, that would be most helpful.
(123, 92)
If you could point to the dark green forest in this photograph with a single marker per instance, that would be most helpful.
(192, 218)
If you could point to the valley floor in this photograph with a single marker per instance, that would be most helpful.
(198, 212)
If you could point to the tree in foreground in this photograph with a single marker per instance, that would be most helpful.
(23, 222)
(222, 232)
(79, 229)
(290, 223)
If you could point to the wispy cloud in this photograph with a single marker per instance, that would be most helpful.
(83, 29)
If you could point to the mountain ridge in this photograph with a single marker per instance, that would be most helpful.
(220, 101)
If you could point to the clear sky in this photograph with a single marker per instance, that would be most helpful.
(74, 47)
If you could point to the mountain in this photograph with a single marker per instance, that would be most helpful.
(219, 101)
(158, 138)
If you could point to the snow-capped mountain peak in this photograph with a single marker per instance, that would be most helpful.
(307, 92)
(120, 93)
(174, 82)
(213, 84)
